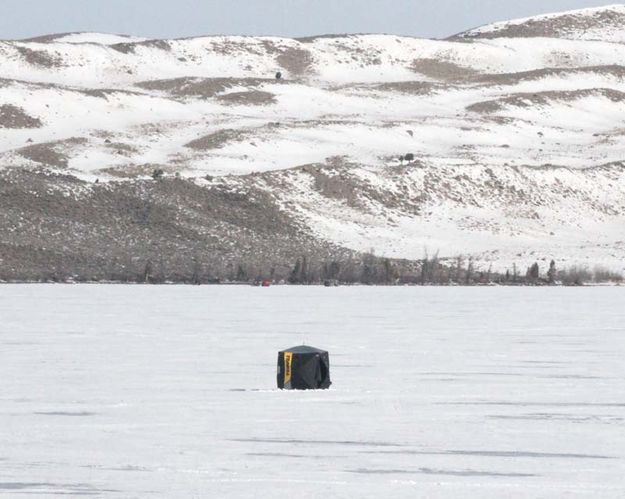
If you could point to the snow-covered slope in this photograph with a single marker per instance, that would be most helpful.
(518, 141)
(601, 23)
(86, 37)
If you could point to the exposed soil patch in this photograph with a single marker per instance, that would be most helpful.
(544, 98)
(40, 58)
(233, 47)
(560, 26)
(406, 87)
(159, 44)
(47, 38)
(310, 39)
(297, 61)
(46, 154)
(270, 47)
(135, 171)
(124, 48)
(251, 98)
(15, 117)
(217, 139)
(50, 153)
(130, 47)
(334, 180)
(441, 70)
(513, 78)
(56, 227)
(205, 88)
(122, 148)
(101, 93)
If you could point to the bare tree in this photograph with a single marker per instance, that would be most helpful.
(390, 272)
(575, 276)
(470, 271)
(458, 269)
(242, 275)
(148, 272)
(197, 269)
(602, 274)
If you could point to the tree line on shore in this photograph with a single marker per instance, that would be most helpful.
(372, 270)
(442, 272)
(366, 268)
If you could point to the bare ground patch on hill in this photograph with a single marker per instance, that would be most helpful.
(133, 170)
(441, 70)
(552, 27)
(297, 61)
(614, 70)
(15, 117)
(41, 58)
(205, 88)
(217, 140)
(544, 98)
(52, 154)
(405, 87)
(57, 227)
(131, 47)
(249, 98)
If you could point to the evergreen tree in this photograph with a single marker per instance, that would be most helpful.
(533, 272)
(552, 272)
(295, 276)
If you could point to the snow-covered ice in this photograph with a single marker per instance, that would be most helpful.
(137, 391)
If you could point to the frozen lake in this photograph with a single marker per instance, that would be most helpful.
(146, 391)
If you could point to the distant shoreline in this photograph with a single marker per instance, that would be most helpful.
(322, 285)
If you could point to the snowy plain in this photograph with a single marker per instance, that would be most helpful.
(139, 391)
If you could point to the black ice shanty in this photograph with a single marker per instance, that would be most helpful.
(303, 368)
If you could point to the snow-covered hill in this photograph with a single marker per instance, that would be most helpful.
(517, 129)
(602, 23)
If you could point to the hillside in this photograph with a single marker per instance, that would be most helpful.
(517, 132)
(602, 24)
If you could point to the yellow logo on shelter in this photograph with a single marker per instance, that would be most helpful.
(288, 360)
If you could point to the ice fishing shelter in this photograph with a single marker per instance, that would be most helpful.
(303, 368)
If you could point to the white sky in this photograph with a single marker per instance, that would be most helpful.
(180, 18)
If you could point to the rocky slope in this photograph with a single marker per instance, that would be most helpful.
(515, 135)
